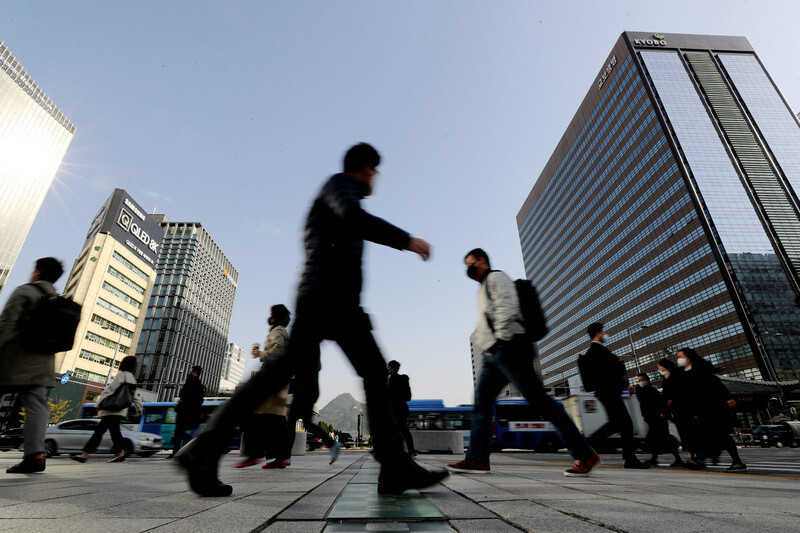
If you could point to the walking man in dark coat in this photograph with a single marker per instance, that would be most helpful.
(188, 409)
(399, 395)
(328, 308)
(604, 374)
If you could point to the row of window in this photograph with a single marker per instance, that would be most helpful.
(124, 279)
(133, 268)
(121, 295)
(116, 310)
(105, 342)
(97, 319)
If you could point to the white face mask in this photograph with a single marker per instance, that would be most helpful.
(682, 361)
(605, 339)
(664, 373)
(643, 384)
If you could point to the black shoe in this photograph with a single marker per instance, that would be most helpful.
(694, 464)
(117, 459)
(28, 465)
(678, 463)
(407, 474)
(637, 465)
(201, 471)
(78, 458)
(736, 467)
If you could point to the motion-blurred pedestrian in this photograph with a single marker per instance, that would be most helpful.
(655, 414)
(399, 396)
(188, 409)
(605, 375)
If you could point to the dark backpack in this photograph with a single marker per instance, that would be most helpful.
(51, 325)
(530, 310)
(530, 307)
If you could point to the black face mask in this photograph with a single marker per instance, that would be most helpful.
(270, 321)
(472, 272)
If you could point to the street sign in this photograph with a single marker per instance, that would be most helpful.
(65, 379)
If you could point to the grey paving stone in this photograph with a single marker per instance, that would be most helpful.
(483, 525)
(299, 526)
(455, 506)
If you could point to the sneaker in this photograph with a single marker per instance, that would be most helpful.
(405, 474)
(29, 465)
(289, 461)
(277, 463)
(333, 451)
(248, 462)
(468, 466)
(736, 467)
(583, 467)
(678, 463)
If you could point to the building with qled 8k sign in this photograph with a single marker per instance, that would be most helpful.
(34, 136)
(189, 312)
(668, 211)
(112, 279)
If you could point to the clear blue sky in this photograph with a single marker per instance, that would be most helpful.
(233, 113)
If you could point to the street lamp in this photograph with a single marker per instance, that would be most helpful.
(116, 349)
(640, 325)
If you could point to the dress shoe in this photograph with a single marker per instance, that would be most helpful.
(29, 465)
(78, 458)
(201, 471)
(404, 474)
(636, 465)
(117, 459)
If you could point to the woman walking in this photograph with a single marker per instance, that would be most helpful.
(110, 420)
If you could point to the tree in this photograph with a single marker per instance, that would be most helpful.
(57, 410)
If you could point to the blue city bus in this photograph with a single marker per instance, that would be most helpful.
(159, 418)
(432, 414)
(518, 425)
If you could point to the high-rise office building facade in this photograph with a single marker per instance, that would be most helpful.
(668, 212)
(34, 136)
(112, 279)
(189, 312)
(233, 369)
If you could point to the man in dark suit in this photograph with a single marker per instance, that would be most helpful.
(605, 375)
(188, 408)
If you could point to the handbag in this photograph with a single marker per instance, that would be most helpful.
(120, 399)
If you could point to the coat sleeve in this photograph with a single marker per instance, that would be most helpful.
(343, 200)
(505, 305)
(275, 344)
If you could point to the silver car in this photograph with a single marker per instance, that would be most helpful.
(71, 435)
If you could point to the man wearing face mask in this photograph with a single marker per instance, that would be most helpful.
(328, 308)
(509, 358)
(654, 412)
(188, 409)
(605, 375)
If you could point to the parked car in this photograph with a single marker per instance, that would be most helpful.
(773, 435)
(71, 435)
(12, 439)
(313, 443)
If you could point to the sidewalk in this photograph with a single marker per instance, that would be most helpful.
(148, 494)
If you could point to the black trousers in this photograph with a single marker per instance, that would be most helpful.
(319, 317)
(401, 419)
(182, 425)
(111, 424)
(618, 421)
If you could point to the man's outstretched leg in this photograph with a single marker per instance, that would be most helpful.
(200, 457)
(399, 472)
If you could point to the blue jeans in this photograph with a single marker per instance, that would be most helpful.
(514, 363)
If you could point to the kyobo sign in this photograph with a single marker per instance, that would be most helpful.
(657, 40)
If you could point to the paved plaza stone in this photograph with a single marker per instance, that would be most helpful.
(311, 496)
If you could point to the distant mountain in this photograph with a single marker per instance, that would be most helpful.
(342, 413)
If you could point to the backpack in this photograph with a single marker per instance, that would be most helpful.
(530, 310)
(51, 325)
(530, 307)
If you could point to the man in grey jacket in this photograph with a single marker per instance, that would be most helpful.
(27, 373)
(509, 358)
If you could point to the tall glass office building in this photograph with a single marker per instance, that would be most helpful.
(668, 212)
(189, 313)
(34, 136)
